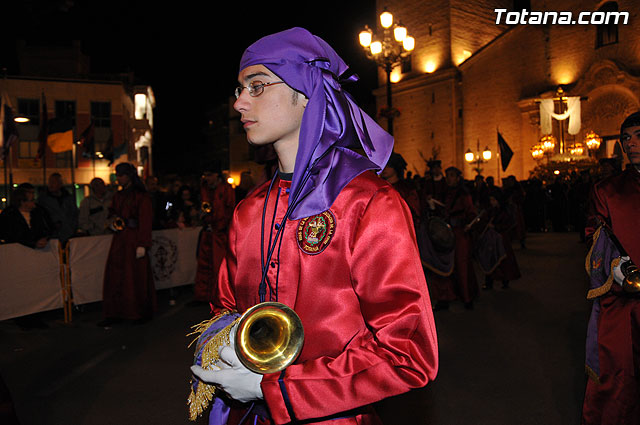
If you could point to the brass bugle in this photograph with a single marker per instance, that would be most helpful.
(118, 224)
(206, 207)
(631, 281)
(269, 337)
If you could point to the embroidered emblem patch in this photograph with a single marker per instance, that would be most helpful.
(596, 263)
(315, 232)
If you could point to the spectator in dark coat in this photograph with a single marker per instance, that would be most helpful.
(62, 208)
(22, 222)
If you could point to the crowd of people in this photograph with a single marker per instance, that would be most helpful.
(32, 218)
(485, 220)
(476, 210)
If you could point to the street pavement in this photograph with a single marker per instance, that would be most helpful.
(516, 358)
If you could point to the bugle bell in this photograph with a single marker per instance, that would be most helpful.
(206, 207)
(118, 224)
(631, 281)
(269, 337)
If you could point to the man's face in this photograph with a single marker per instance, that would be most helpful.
(436, 170)
(55, 183)
(452, 178)
(631, 144)
(123, 180)
(98, 187)
(388, 173)
(29, 204)
(210, 178)
(152, 184)
(275, 115)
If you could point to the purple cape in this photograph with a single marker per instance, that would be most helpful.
(332, 122)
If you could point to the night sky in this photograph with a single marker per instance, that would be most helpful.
(187, 51)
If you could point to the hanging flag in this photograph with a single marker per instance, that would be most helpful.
(87, 141)
(112, 153)
(505, 152)
(60, 137)
(9, 130)
(44, 125)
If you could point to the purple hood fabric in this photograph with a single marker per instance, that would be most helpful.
(332, 121)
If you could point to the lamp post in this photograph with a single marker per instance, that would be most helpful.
(478, 157)
(388, 50)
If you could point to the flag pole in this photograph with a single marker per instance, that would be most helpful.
(4, 159)
(73, 166)
(499, 157)
(43, 143)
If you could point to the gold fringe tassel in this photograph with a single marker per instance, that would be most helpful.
(199, 400)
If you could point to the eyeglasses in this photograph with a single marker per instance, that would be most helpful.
(255, 88)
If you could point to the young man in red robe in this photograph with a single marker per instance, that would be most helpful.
(327, 237)
(212, 244)
(129, 291)
(613, 338)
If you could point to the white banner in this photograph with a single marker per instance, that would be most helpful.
(173, 256)
(173, 260)
(29, 279)
(87, 260)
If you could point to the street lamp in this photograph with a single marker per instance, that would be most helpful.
(388, 50)
(478, 157)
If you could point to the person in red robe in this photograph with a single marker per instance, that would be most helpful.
(434, 186)
(439, 277)
(129, 291)
(328, 238)
(500, 218)
(613, 392)
(393, 173)
(218, 202)
(461, 215)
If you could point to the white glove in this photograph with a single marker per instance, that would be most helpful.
(140, 251)
(618, 276)
(237, 381)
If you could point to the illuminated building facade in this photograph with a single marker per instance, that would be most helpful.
(469, 78)
(121, 112)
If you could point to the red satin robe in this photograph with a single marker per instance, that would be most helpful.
(212, 246)
(616, 398)
(360, 292)
(129, 291)
(460, 212)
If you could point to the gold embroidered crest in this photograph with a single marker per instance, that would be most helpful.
(314, 233)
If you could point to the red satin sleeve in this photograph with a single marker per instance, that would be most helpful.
(396, 351)
(225, 295)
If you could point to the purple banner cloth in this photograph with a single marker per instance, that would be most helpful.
(219, 412)
(219, 409)
(332, 121)
(602, 253)
(490, 251)
(439, 262)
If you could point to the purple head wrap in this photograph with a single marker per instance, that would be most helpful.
(332, 122)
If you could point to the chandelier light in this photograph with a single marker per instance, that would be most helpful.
(592, 140)
(548, 143)
(537, 152)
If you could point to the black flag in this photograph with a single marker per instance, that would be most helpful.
(505, 152)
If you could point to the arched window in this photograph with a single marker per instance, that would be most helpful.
(607, 32)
